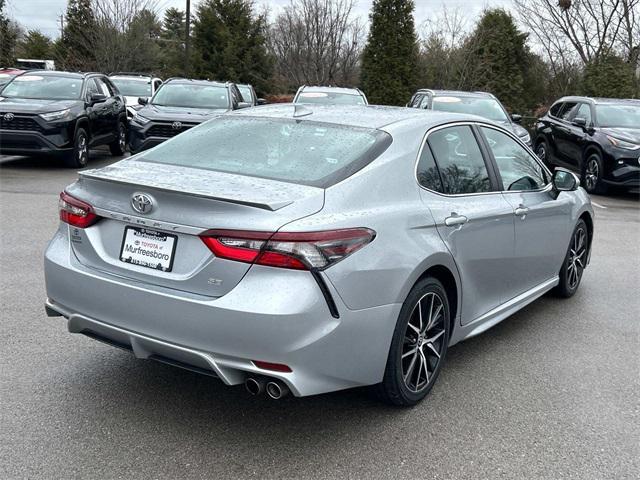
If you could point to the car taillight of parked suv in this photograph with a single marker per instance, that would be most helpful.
(51, 112)
(596, 137)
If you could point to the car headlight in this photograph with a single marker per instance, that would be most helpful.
(616, 142)
(139, 119)
(526, 138)
(52, 116)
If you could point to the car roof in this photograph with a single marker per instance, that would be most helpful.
(456, 93)
(597, 100)
(61, 73)
(366, 116)
(196, 82)
(321, 89)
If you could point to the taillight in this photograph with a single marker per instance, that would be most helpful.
(299, 251)
(76, 212)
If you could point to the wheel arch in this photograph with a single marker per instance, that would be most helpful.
(449, 281)
(82, 123)
(588, 220)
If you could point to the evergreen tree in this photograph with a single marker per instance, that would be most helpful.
(390, 58)
(35, 45)
(501, 59)
(610, 76)
(77, 38)
(172, 41)
(8, 38)
(230, 44)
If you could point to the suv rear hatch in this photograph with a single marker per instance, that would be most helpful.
(185, 202)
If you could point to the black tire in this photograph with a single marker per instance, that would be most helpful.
(592, 173)
(119, 146)
(542, 151)
(79, 156)
(396, 387)
(575, 261)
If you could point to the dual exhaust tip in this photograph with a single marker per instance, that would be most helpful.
(276, 389)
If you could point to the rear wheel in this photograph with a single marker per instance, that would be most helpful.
(574, 262)
(592, 176)
(542, 151)
(119, 146)
(79, 156)
(419, 345)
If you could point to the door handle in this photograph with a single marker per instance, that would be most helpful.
(521, 211)
(455, 219)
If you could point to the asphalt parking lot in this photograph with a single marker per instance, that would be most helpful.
(550, 393)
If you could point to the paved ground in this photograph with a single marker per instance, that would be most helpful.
(553, 392)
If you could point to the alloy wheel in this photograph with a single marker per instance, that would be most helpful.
(82, 150)
(592, 173)
(541, 151)
(122, 138)
(423, 342)
(577, 258)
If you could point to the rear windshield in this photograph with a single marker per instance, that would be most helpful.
(483, 107)
(51, 87)
(304, 152)
(133, 87)
(330, 98)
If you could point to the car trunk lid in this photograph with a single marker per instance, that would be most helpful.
(185, 202)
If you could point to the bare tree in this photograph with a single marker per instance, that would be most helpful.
(317, 42)
(583, 30)
(123, 39)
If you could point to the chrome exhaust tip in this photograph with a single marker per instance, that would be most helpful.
(276, 389)
(255, 386)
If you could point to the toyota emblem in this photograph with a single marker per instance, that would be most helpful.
(8, 116)
(176, 125)
(142, 203)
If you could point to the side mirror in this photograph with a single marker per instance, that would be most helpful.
(97, 98)
(516, 118)
(143, 100)
(580, 122)
(261, 101)
(564, 180)
(244, 105)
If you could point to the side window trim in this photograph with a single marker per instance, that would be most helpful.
(494, 164)
(488, 161)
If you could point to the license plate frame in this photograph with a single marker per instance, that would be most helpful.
(152, 237)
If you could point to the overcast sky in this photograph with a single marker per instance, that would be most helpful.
(44, 15)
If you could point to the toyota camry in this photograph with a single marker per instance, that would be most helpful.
(307, 249)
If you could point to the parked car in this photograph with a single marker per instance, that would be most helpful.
(597, 137)
(178, 105)
(249, 95)
(35, 64)
(330, 96)
(132, 86)
(8, 74)
(50, 112)
(316, 251)
(483, 104)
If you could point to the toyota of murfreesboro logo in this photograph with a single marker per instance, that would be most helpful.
(8, 116)
(176, 125)
(141, 203)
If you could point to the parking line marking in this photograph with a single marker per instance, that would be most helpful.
(598, 205)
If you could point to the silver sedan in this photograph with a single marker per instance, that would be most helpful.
(308, 249)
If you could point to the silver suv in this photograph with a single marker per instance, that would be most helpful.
(316, 249)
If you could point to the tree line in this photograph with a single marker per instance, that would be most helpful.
(544, 49)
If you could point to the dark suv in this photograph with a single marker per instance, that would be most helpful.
(178, 105)
(596, 137)
(483, 104)
(49, 112)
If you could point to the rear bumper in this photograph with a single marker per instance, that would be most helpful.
(273, 315)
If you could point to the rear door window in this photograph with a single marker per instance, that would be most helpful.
(460, 161)
(427, 172)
